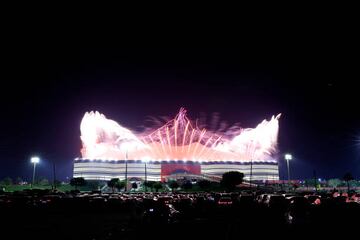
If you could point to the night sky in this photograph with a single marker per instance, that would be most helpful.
(46, 87)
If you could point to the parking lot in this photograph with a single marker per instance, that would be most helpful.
(44, 214)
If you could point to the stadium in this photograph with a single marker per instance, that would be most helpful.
(176, 149)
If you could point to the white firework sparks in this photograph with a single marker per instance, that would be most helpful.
(177, 139)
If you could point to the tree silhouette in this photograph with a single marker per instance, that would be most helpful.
(158, 186)
(173, 185)
(19, 180)
(57, 183)
(8, 181)
(77, 182)
(231, 179)
(347, 178)
(204, 184)
(112, 183)
(149, 184)
(311, 182)
(43, 182)
(334, 182)
(186, 185)
(120, 185)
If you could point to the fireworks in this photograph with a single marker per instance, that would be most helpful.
(177, 139)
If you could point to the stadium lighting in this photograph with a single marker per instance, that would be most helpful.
(288, 157)
(34, 160)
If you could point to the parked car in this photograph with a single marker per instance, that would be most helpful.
(226, 200)
(158, 213)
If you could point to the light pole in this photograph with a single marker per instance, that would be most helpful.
(34, 160)
(54, 176)
(288, 157)
(251, 163)
(145, 160)
(126, 171)
(145, 178)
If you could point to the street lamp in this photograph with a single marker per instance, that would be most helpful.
(34, 160)
(288, 157)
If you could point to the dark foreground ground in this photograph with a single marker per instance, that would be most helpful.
(176, 216)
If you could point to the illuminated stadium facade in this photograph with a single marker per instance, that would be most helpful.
(177, 148)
